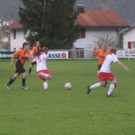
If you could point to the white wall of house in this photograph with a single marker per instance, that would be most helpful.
(129, 37)
(89, 39)
(91, 32)
(16, 43)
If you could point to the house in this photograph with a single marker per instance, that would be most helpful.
(92, 22)
(17, 36)
(128, 37)
(97, 23)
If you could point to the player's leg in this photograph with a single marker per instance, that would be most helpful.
(24, 80)
(30, 69)
(98, 72)
(17, 72)
(111, 88)
(102, 79)
(45, 84)
(106, 83)
(12, 80)
(46, 74)
(89, 88)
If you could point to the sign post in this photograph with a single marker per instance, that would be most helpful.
(128, 53)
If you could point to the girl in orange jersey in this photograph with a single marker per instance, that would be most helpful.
(34, 50)
(22, 55)
(101, 54)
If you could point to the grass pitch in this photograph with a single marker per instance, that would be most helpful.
(67, 112)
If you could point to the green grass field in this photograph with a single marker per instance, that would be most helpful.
(1, 45)
(67, 112)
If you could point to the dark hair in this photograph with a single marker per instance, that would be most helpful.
(25, 44)
(36, 42)
(37, 53)
(44, 49)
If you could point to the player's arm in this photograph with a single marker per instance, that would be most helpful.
(12, 60)
(33, 60)
(33, 51)
(29, 55)
(122, 65)
(96, 53)
(16, 54)
(45, 56)
(94, 50)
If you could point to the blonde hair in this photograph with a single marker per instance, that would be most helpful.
(44, 49)
(105, 45)
(112, 49)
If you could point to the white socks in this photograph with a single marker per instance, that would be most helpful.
(112, 86)
(95, 86)
(45, 85)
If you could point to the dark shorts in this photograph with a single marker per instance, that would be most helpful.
(34, 63)
(99, 67)
(19, 67)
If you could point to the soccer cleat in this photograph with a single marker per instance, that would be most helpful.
(25, 88)
(110, 95)
(88, 89)
(29, 74)
(7, 86)
(106, 84)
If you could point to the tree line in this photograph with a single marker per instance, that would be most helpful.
(124, 8)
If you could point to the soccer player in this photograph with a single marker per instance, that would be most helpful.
(22, 55)
(43, 72)
(34, 50)
(105, 72)
(101, 54)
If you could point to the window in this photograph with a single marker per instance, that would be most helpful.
(82, 33)
(14, 34)
(131, 45)
(80, 52)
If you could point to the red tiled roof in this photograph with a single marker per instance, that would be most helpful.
(100, 18)
(16, 25)
(91, 18)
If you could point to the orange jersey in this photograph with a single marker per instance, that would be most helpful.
(101, 56)
(21, 55)
(34, 49)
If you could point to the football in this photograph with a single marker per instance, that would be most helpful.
(68, 86)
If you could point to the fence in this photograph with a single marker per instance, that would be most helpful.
(53, 54)
(73, 54)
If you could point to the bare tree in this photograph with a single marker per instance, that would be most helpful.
(99, 39)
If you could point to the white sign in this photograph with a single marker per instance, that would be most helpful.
(125, 53)
(58, 54)
(120, 53)
(130, 53)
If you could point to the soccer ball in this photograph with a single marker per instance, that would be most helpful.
(68, 86)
